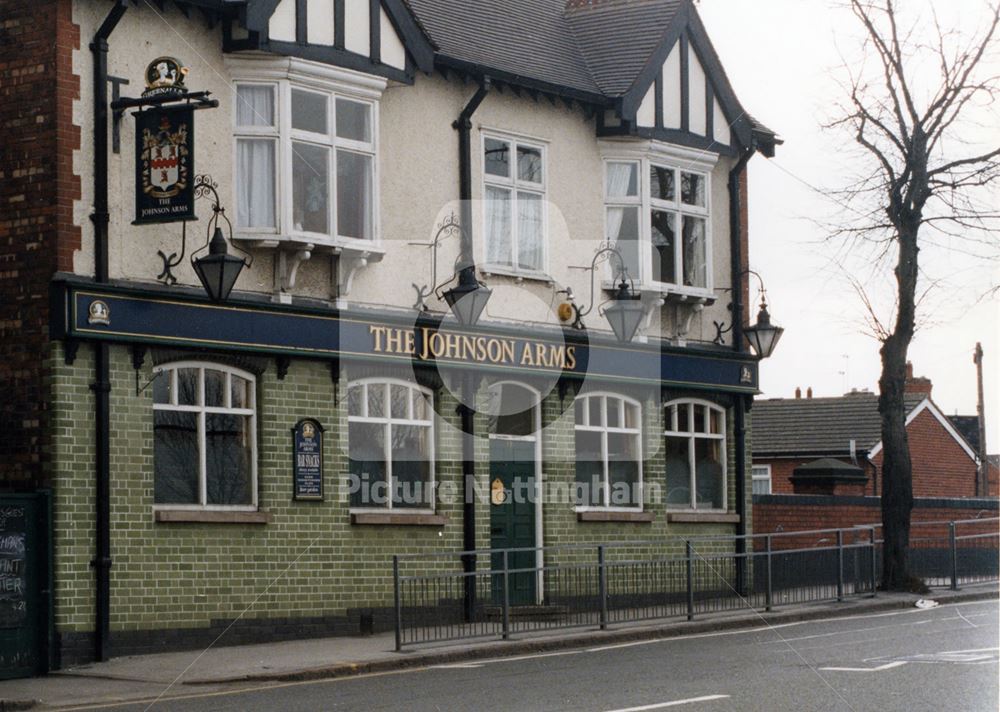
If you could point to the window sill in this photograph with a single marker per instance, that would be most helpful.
(670, 292)
(201, 516)
(370, 249)
(399, 519)
(703, 517)
(516, 275)
(614, 516)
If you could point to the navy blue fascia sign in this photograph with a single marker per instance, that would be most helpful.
(169, 320)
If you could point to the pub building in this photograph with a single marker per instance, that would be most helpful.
(344, 279)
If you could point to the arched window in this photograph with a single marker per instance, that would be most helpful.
(695, 444)
(608, 451)
(205, 436)
(390, 445)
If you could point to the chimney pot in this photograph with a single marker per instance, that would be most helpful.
(809, 392)
(798, 392)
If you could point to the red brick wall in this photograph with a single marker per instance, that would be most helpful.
(786, 516)
(941, 468)
(37, 235)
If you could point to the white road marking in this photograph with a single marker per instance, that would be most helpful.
(880, 668)
(848, 632)
(675, 703)
(456, 666)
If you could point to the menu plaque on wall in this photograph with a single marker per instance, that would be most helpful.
(307, 460)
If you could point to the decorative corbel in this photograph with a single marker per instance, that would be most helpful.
(348, 265)
(138, 355)
(286, 269)
(282, 363)
(70, 349)
(652, 304)
(684, 312)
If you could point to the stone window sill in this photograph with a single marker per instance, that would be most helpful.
(399, 519)
(703, 517)
(612, 516)
(202, 516)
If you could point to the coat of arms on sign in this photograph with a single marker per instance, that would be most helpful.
(165, 159)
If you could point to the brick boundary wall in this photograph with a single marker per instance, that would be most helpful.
(808, 512)
(37, 231)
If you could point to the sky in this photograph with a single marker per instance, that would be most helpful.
(785, 60)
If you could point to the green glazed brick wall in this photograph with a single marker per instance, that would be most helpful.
(309, 560)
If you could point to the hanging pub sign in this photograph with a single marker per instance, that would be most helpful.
(164, 146)
(164, 178)
(307, 460)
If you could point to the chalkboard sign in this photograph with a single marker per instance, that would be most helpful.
(13, 575)
(307, 460)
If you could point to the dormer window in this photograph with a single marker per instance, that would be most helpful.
(657, 215)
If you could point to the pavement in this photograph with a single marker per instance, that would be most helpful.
(227, 669)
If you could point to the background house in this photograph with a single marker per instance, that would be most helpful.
(817, 462)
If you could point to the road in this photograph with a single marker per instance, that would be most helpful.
(939, 659)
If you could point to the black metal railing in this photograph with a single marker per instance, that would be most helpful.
(596, 585)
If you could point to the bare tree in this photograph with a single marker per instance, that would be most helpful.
(911, 108)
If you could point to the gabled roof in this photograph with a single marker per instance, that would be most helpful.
(928, 405)
(618, 37)
(819, 426)
(519, 39)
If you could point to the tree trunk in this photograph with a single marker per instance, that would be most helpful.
(897, 475)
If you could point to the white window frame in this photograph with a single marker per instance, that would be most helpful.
(289, 73)
(760, 473)
(604, 430)
(514, 184)
(388, 421)
(677, 159)
(170, 370)
(670, 430)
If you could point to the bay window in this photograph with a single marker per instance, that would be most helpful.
(657, 215)
(514, 204)
(305, 162)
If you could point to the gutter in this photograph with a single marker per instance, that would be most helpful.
(743, 402)
(102, 381)
(466, 268)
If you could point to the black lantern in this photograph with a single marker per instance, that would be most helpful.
(468, 298)
(626, 312)
(763, 336)
(218, 270)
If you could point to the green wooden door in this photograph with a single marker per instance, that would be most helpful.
(512, 520)
(23, 569)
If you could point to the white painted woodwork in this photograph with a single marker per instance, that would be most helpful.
(672, 88)
(320, 20)
(282, 24)
(720, 126)
(392, 51)
(696, 94)
(646, 115)
(357, 26)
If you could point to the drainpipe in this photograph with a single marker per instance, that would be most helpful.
(102, 385)
(466, 268)
(743, 402)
